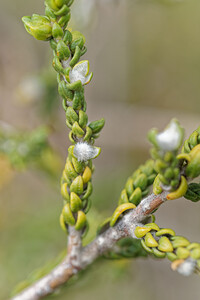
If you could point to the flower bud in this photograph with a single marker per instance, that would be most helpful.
(38, 26)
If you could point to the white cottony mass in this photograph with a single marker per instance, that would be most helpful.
(80, 72)
(187, 267)
(83, 151)
(170, 139)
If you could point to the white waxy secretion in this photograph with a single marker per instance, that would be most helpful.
(83, 151)
(80, 72)
(170, 138)
(187, 267)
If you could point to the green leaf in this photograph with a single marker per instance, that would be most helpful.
(38, 26)
(193, 192)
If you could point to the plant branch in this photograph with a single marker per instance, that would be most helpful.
(78, 258)
(74, 247)
(124, 228)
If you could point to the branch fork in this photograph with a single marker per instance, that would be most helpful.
(79, 258)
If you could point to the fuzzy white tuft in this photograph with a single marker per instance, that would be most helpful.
(84, 151)
(65, 63)
(170, 138)
(187, 267)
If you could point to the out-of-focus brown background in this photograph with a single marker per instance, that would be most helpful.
(145, 56)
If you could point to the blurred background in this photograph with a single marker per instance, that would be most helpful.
(145, 56)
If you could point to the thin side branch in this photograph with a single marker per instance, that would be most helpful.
(79, 258)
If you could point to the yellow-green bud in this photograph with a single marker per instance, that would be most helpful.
(165, 245)
(123, 197)
(150, 241)
(193, 168)
(157, 189)
(57, 4)
(141, 231)
(38, 26)
(136, 196)
(57, 31)
(81, 220)
(141, 181)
